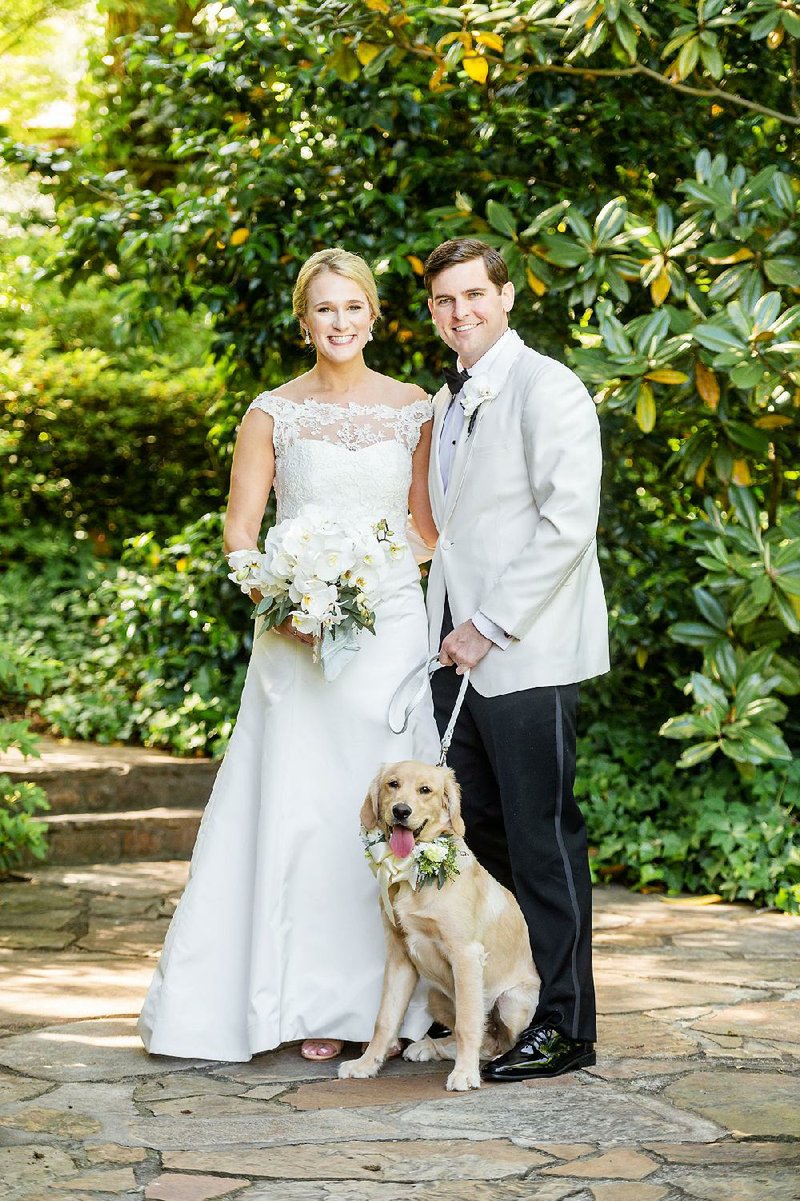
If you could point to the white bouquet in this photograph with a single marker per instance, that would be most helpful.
(325, 577)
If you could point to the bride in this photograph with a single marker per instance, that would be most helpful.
(278, 935)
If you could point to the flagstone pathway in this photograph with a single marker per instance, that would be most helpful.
(695, 1097)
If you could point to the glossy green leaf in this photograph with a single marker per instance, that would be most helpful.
(754, 602)
(711, 608)
(698, 753)
(745, 508)
(693, 633)
(501, 218)
(716, 337)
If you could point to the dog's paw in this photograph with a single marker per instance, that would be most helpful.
(460, 1081)
(422, 1051)
(359, 1069)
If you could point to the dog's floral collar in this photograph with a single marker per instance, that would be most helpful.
(429, 861)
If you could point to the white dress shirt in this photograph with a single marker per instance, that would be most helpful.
(451, 429)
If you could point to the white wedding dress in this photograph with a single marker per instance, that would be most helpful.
(278, 935)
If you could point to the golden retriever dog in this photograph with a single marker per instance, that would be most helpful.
(468, 938)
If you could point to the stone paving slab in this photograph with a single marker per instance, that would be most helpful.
(72, 985)
(695, 1095)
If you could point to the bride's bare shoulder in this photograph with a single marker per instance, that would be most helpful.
(293, 389)
(397, 392)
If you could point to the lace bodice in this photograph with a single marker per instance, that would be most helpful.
(352, 460)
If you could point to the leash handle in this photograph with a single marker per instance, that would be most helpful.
(427, 667)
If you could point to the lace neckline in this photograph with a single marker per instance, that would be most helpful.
(351, 404)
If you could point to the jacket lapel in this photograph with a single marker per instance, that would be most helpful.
(458, 470)
(495, 378)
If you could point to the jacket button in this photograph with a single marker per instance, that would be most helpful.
(446, 544)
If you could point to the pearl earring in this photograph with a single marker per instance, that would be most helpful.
(306, 337)
(369, 335)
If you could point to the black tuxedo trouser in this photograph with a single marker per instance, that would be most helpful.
(514, 758)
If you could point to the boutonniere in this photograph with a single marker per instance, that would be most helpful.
(477, 392)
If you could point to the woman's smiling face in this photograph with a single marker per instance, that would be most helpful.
(337, 316)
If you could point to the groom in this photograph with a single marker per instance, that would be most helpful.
(515, 595)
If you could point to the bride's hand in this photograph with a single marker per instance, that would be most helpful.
(287, 629)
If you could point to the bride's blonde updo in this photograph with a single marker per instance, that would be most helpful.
(343, 263)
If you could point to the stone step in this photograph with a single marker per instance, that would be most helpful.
(153, 833)
(81, 778)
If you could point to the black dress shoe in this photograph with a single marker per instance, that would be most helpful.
(437, 1030)
(540, 1053)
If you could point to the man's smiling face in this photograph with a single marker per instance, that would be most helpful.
(470, 312)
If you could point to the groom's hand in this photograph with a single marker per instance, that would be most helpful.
(464, 647)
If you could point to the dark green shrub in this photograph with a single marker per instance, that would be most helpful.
(97, 448)
(710, 830)
(153, 649)
(101, 434)
(20, 836)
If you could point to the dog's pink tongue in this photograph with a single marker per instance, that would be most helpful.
(401, 842)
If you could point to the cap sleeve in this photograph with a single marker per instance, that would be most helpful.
(280, 411)
(410, 420)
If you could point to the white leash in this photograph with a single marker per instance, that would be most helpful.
(427, 667)
(447, 737)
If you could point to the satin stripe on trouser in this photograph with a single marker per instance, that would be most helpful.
(514, 757)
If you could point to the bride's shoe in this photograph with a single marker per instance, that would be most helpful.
(321, 1048)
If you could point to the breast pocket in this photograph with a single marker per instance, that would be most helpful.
(493, 445)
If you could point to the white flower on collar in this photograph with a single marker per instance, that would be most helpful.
(477, 392)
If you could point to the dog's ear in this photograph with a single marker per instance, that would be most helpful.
(452, 795)
(369, 810)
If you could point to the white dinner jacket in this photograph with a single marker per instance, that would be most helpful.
(518, 523)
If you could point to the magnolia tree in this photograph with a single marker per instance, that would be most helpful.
(714, 366)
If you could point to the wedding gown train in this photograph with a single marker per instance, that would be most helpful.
(278, 935)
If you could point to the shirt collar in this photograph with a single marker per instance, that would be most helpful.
(487, 359)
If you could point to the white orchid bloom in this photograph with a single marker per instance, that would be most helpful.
(366, 580)
(319, 598)
(268, 584)
(298, 586)
(308, 561)
(334, 616)
(244, 565)
(304, 623)
(281, 564)
(333, 561)
(297, 539)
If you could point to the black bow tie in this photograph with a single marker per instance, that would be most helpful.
(455, 380)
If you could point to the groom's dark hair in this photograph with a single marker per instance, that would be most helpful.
(463, 250)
